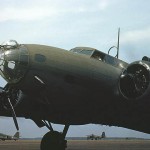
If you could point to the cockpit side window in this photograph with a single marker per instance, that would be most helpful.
(98, 55)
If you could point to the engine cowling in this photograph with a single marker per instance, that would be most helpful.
(13, 94)
(134, 80)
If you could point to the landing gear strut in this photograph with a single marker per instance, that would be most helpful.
(54, 140)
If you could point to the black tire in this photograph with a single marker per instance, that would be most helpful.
(53, 141)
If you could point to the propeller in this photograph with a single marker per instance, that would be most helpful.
(13, 113)
(5, 95)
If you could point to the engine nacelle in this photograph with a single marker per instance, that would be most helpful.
(13, 94)
(134, 80)
(145, 58)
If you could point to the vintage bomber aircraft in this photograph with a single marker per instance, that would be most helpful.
(4, 137)
(96, 137)
(80, 86)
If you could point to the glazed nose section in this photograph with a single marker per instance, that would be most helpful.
(14, 61)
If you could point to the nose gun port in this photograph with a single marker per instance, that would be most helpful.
(14, 61)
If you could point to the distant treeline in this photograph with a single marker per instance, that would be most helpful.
(85, 138)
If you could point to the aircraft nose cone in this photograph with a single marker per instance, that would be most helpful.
(13, 61)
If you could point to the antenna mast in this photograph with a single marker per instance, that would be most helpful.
(117, 47)
(118, 43)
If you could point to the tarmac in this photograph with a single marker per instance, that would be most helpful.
(80, 145)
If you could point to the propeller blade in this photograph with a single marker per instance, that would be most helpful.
(13, 114)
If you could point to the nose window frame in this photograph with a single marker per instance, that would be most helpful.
(13, 67)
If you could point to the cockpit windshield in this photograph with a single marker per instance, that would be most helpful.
(14, 60)
(83, 50)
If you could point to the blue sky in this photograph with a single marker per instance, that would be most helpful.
(70, 23)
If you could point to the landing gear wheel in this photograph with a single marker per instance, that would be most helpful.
(53, 140)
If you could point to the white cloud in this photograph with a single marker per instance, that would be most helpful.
(35, 10)
(136, 36)
(26, 14)
(104, 4)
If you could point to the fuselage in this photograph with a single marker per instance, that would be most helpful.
(67, 83)
(71, 84)
(68, 88)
